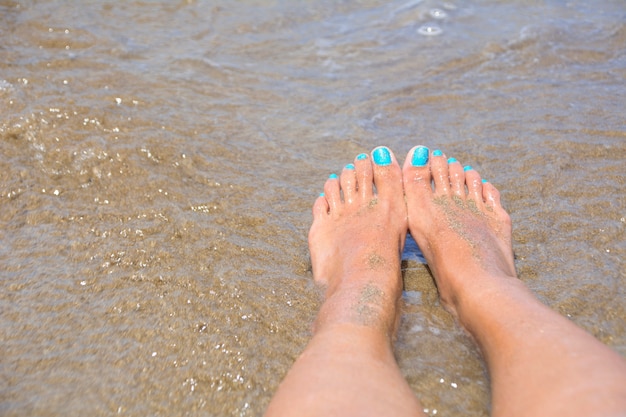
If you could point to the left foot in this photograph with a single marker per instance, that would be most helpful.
(356, 241)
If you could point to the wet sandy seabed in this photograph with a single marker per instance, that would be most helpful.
(158, 161)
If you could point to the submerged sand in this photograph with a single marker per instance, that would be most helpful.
(158, 162)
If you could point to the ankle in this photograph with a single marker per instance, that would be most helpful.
(490, 301)
(364, 305)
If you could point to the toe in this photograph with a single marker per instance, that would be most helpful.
(320, 207)
(387, 173)
(457, 178)
(332, 193)
(491, 195)
(348, 183)
(364, 176)
(474, 184)
(440, 172)
(416, 170)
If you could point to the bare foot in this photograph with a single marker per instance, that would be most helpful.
(459, 224)
(356, 241)
(540, 363)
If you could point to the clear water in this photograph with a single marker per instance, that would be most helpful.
(158, 161)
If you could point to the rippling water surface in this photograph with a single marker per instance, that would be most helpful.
(158, 161)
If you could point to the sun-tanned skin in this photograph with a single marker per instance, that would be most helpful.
(540, 363)
(348, 368)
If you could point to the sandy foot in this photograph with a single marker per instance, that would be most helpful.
(459, 224)
(356, 240)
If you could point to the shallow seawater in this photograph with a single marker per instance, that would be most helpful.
(158, 161)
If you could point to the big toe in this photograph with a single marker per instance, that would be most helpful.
(416, 174)
(387, 174)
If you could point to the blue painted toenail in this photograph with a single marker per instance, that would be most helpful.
(452, 160)
(484, 180)
(350, 166)
(437, 152)
(420, 157)
(361, 156)
(467, 168)
(322, 194)
(382, 156)
(332, 176)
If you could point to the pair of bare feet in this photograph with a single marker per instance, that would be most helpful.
(539, 362)
(361, 221)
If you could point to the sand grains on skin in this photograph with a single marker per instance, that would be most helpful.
(356, 240)
(457, 221)
(357, 236)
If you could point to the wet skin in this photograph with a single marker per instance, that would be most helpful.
(539, 362)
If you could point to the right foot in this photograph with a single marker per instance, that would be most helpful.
(540, 363)
(460, 226)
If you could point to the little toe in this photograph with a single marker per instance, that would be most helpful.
(364, 176)
(332, 193)
(491, 195)
(320, 207)
(348, 183)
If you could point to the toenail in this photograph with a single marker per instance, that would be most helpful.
(332, 176)
(382, 156)
(437, 152)
(452, 160)
(361, 156)
(484, 180)
(322, 195)
(350, 166)
(420, 157)
(467, 168)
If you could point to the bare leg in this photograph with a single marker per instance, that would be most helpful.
(540, 363)
(356, 242)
